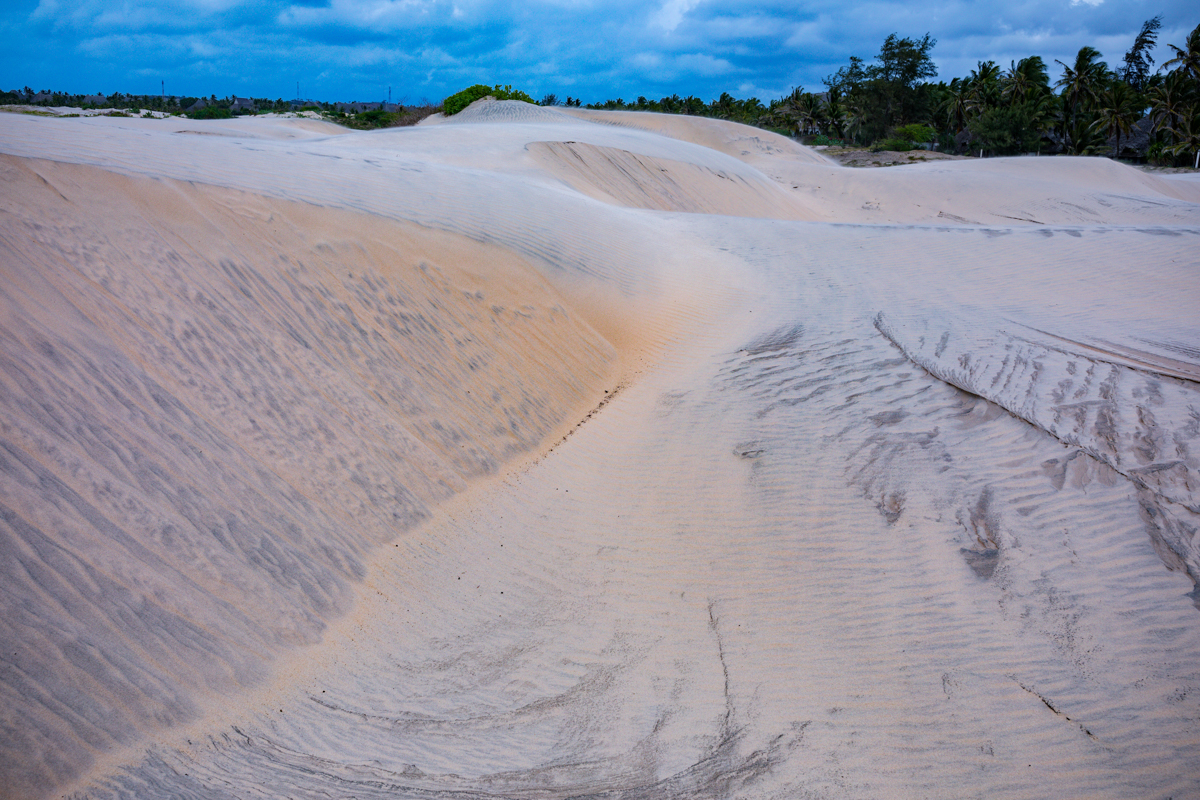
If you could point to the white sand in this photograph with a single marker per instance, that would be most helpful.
(545, 455)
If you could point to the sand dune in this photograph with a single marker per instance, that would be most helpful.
(541, 454)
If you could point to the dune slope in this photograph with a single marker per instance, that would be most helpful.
(546, 455)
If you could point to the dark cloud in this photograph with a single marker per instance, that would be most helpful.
(341, 49)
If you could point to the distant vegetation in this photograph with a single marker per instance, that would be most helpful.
(211, 112)
(1130, 110)
(362, 116)
(372, 118)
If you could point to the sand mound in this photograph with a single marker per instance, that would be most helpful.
(488, 109)
(535, 454)
(721, 135)
(639, 181)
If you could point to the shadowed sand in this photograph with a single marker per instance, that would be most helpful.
(541, 454)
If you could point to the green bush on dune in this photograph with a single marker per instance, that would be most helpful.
(209, 112)
(457, 102)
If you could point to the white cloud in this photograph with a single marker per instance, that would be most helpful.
(374, 14)
(672, 13)
(646, 61)
(703, 64)
(598, 49)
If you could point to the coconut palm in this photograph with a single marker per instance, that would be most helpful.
(1084, 137)
(810, 111)
(1187, 135)
(984, 83)
(835, 112)
(776, 115)
(750, 110)
(1117, 108)
(1081, 82)
(1014, 84)
(956, 107)
(785, 112)
(1169, 98)
(856, 120)
(1187, 60)
(1024, 79)
(1044, 110)
(724, 106)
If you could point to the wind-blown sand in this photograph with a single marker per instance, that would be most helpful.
(539, 454)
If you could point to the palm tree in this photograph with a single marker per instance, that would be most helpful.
(1014, 84)
(777, 115)
(1024, 78)
(1187, 135)
(1168, 100)
(956, 107)
(1083, 134)
(1044, 111)
(809, 111)
(856, 121)
(1081, 85)
(984, 84)
(1081, 82)
(1187, 61)
(785, 112)
(1118, 108)
(724, 106)
(750, 110)
(835, 112)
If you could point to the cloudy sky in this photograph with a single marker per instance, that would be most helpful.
(594, 49)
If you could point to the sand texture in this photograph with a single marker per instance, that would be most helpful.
(535, 454)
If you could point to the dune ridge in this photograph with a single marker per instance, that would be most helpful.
(542, 454)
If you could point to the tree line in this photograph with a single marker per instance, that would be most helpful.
(891, 103)
(376, 115)
(887, 103)
(136, 103)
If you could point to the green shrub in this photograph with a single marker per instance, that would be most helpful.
(919, 134)
(460, 100)
(899, 145)
(210, 112)
(1157, 154)
(1005, 131)
(822, 139)
(375, 118)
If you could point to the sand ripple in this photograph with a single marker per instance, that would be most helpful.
(545, 454)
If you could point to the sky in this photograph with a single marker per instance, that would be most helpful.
(590, 49)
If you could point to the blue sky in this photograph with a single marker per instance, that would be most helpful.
(426, 49)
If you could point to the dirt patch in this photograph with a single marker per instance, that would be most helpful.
(851, 157)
